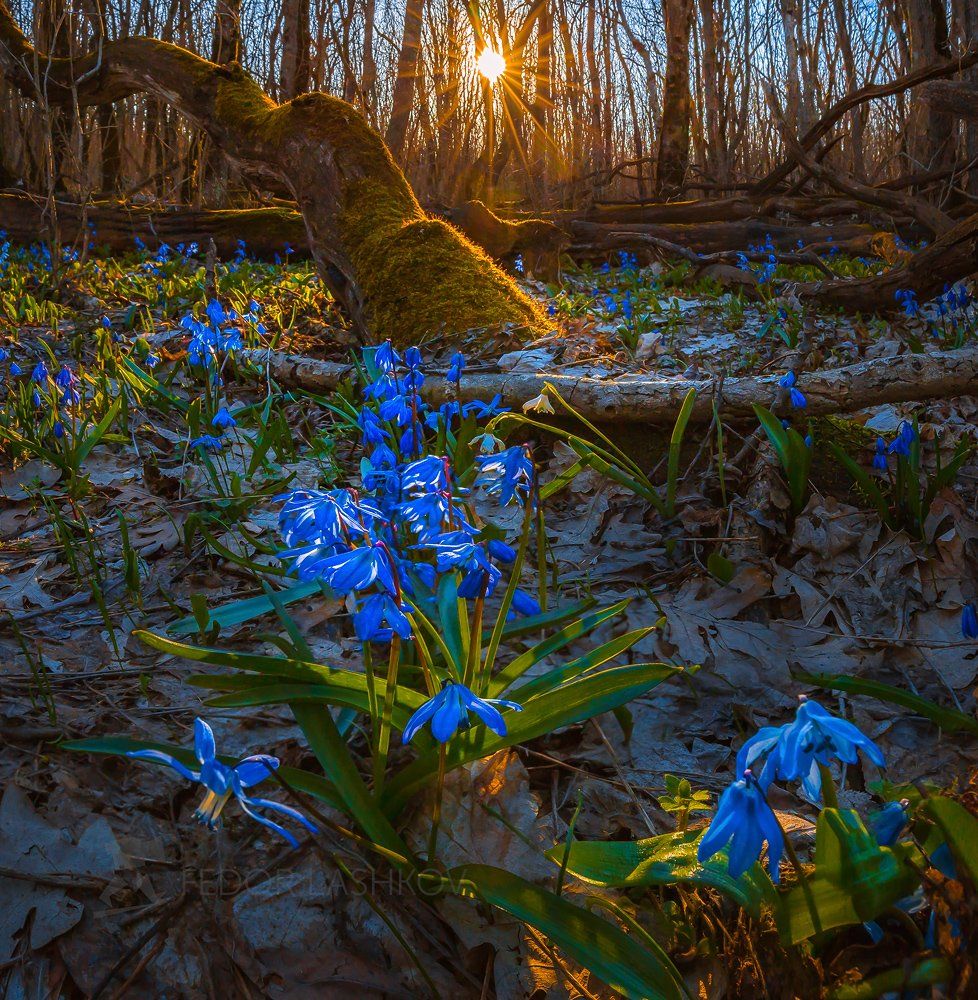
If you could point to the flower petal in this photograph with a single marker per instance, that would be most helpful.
(254, 769)
(158, 757)
(204, 744)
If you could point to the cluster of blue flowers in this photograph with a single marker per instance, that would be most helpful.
(768, 267)
(795, 751)
(61, 389)
(385, 548)
(907, 298)
(900, 446)
(789, 381)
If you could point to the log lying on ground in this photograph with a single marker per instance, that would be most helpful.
(654, 400)
(712, 237)
(733, 209)
(397, 271)
(950, 258)
(115, 227)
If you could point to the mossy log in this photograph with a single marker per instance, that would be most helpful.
(397, 271)
(655, 400)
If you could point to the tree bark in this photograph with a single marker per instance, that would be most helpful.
(651, 400)
(931, 137)
(295, 48)
(397, 272)
(407, 71)
(672, 159)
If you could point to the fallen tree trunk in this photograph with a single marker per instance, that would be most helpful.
(712, 237)
(737, 208)
(950, 258)
(398, 272)
(113, 226)
(653, 400)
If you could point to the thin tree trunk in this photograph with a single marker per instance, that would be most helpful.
(672, 159)
(295, 48)
(407, 70)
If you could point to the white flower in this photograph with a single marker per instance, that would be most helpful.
(539, 404)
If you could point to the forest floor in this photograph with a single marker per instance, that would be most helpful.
(146, 533)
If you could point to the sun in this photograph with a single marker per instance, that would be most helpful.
(491, 64)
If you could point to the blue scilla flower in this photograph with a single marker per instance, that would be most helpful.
(386, 358)
(371, 428)
(377, 610)
(207, 442)
(890, 822)
(215, 312)
(508, 475)
(789, 381)
(969, 621)
(4, 354)
(744, 820)
(879, 458)
(482, 410)
(456, 364)
(324, 517)
(448, 711)
(59, 429)
(907, 298)
(70, 397)
(817, 737)
(429, 474)
(40, 373)
(151, 361)
(400, 409)
(35, 398)
(524, 603)
(15, 369)
(222, 782)
(356, 569)
(66, 378)
(906, 436)
(223, 420)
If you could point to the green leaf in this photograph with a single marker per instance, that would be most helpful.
(333, 754)
(595, 658)
(960, 829)
(675, 447)
(302, 781)
(865, 482)
(949, 719)
(602, 948)
(520, 664)
(721, 567)
(855, 878)
(897, 982)
(664, 860)
(581, 699)
(242, 611)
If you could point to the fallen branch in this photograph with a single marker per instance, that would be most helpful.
(655, 400)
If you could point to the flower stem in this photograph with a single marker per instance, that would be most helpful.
(829, 795)
(436, 807)
(803, 880)
(384, 732)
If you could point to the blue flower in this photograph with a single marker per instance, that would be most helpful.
(509, 475)
(889, 822)
(66, 378)
(223, 420)
(455, 365)
(207, 442)
(429, 474)
(907, 298)
(356, 569)
(369, 424)
(222, 782)
(324, 518)
(15, 368)
(969, 621)
(744, 820)
(906, 436)
(879, 458)
(449, 711)
(524, 604)
(386, 358)
(151, 361)
(40, 373)
(817, 737)
(789, 381)
(374, 612)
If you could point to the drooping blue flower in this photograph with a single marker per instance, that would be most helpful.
(324, 517)
(969, 621)
(745, 821)
(386, 358)
(456, 363)
(890, 822)
(508, 475)
(15, 369)
(524, 603)
(59, 429)
(429, 474)
(448, 711)
(482, 410)
(66, 378)
(207, 442)
(222, 782)
(902, 443)
(907, 298)
(151, 361)
(374, 612)
(356, 569)
(817, 737)
(789, 381)
(223, 420)
(40, 373)
(879, 458)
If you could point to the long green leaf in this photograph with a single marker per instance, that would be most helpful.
(520, 664)
(238, 612)
(960, 829)
(675, 448)
(949, 719)
(664, 860)
(602, 948)
(569, 704)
